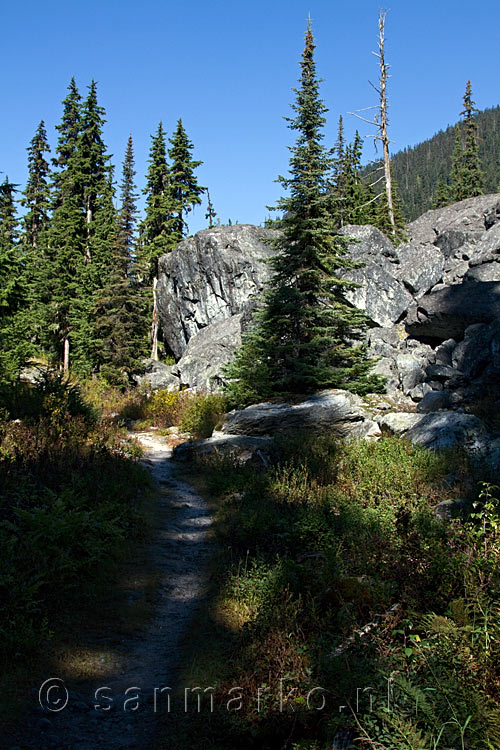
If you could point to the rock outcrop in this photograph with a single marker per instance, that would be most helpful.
(335, 411)
(434, 302)
(210, 277)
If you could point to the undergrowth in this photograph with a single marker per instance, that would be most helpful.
(69, 504)
(332, 538)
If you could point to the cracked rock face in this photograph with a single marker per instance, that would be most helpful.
(210, 277)
(434, 288)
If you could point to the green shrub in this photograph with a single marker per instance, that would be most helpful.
(201, 414)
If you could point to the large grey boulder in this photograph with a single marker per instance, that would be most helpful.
(487, 247)
(207, 352)
(210, 277)
(398, 422)
(449, 429)
(420, 267)
(469, 218)
(479, 351)
(334, 411)
(446, 313)
(159, 376)
(489, 271)
(383, 298)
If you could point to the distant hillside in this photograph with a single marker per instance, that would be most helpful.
(418, 169)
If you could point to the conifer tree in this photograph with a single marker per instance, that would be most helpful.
(58, 285)
(158, 230)
(185, 191)
(120, 308)
(210, 214)
(442, 195)
(358, 197)
(467, 179)
(94, 177)
(37, 194)
(37, 202)
(303, 340)
(14, 347)
(157, 227)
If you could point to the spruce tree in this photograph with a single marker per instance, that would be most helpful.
(58, 284)
(304, 338)
(37, 202)
(95, 184)
(210, 214)
(442, 195)
(157, 228)
(119, 329)
(14, 346)
(37, 193)
(185, 191)
(467, 177)
(358, 196)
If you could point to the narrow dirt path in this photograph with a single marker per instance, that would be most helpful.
(125, 712)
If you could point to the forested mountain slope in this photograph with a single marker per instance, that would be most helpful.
(417, 169)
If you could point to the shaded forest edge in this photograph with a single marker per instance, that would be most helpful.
(332, 538)
(74, 506)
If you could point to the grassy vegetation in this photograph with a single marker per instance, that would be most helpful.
(332, 538)
(70, 508)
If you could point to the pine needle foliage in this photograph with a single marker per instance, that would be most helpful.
(306, 333)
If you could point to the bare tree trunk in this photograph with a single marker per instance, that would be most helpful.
(66, 355)
(154, 324)
(384, 120)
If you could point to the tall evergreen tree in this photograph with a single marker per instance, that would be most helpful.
(184, 187)
(120, 309)
(358, 196)
(467, 177)
(37, 194)
(157, 227)
(93, 178)
(37, 202)
(158, 232)
(303, 340)
(14, 347)
(127, 216)
(58, 285)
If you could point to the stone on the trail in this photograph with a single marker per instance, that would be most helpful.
(242, 448)
(333, 411)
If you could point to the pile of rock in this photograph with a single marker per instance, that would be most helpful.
(434, 302)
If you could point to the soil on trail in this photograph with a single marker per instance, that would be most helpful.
(143, 663)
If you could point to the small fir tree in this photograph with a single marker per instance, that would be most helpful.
(442, 195)
(467, 179)
(304, 338)
(210, 214)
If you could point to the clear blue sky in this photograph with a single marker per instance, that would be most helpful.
(228, 69)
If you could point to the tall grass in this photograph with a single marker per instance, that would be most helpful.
(336, 536)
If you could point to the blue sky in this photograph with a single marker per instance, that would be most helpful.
(228, 69)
